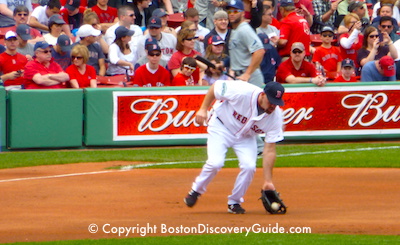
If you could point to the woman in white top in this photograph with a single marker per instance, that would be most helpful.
(55, 25)
(121, 56)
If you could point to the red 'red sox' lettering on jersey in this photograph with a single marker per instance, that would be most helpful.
(239, 117)
(257, 130)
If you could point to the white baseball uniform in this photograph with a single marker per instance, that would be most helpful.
(235, 122)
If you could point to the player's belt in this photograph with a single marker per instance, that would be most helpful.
(239, 73)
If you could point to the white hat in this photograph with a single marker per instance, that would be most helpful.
(88, 30)
(10, 34)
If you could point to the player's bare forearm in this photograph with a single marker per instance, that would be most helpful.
(202, 115)
(269, 156)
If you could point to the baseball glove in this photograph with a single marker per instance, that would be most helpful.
(268, 197)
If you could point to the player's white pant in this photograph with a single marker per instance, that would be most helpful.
(219, 140)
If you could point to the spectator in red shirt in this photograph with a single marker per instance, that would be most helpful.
(12, 63)
(326, 56)
(347, 72)
(185, 48)
(81, 74)
(297, 70)
(107, 15)
(184, 76)
(294, 28)
(152, 74)
(43, 72)
(72, 14)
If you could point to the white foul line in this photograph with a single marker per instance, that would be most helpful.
(129, 167)
(282, 155)
(61, 175)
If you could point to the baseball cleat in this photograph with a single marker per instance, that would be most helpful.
(191, 198)
(236, 209)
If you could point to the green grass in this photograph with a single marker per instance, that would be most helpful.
(275, 239)
(314, 155)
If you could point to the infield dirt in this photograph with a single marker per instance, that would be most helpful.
(50, 203)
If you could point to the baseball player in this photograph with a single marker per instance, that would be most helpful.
(245, 48)
(242, 112)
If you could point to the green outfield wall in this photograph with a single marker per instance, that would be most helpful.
(117, 117)
(45, 118)
(2, 118)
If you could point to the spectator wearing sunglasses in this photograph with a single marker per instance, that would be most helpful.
(375, 45)
(388, 25)
(185, 48)
(21, 14)
(81, 74)
(326, 56)
(357, 7)
(152, 74)
(185, 75)
(297, 70)
(7, 8)
(126, 17)
(43, 72)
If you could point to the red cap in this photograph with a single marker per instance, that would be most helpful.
(387, 65)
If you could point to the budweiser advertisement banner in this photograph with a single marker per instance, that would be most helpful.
(308, 111)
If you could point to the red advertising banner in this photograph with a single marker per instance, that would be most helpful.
(308, 111)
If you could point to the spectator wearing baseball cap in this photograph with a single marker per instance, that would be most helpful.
(55, 25)
(166, 41)
(72, 14)
(271, 59)
(221, 22)
(152, 74)
(163, 15)
(216, 49)
(144, 58)
(327, 57)
(383, 69)
(23, 35)
(43, 72)
(12, 63)
(122, 58)
(61, 52)
(292, 29)
(21, 14)
(88, 36)
(347, 73)
(357, 7)
(297, 70)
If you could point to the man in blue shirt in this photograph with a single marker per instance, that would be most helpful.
(379, 70)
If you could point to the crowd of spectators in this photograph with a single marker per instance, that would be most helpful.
(70, 44)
